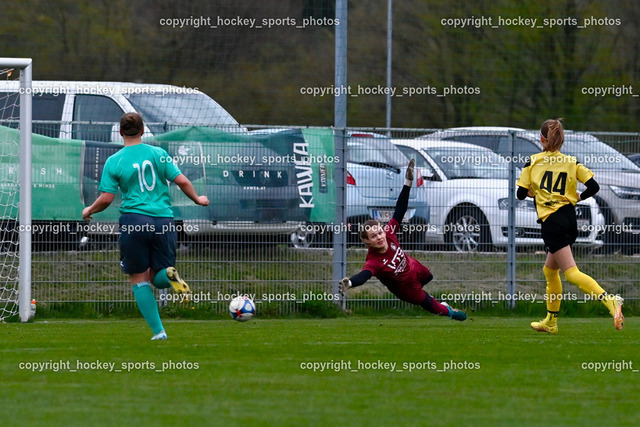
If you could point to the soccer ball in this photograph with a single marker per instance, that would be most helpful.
(242, 309)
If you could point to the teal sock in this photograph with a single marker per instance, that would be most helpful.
(161, 281)
(148, 306)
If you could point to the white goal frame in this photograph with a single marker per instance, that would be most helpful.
(24, 248)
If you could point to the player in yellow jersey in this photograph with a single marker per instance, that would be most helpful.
(551, 178)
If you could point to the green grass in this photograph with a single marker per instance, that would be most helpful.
(251, 373)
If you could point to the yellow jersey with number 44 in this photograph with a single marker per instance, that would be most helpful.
(553, 178)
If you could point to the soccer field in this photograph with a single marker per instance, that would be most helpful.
(360, 371)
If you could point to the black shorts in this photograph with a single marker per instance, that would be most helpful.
(560, 229)
(146, 242)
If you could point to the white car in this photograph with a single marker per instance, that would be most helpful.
(467, 188)
(374, 177)
(619, 178)
(91, 111)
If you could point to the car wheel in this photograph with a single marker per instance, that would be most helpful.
(467, 230)
(302, 238)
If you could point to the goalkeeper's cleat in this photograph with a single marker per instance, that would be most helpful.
(159, 336)
(454, 313)
(179, 285)
(546, 325)
(618, 318)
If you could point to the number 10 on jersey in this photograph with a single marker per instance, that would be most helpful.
(142, 176)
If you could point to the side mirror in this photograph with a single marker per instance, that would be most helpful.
(427, 174)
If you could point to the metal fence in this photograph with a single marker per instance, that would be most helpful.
(457, 225)
(261, 236)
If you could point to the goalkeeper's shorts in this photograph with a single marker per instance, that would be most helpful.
(411, 290)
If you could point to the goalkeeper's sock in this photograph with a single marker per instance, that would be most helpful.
(554, 288)
(587, 285)
(161, 280)
(148, 306)
(433, 306)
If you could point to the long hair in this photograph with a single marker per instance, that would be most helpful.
(553, 131)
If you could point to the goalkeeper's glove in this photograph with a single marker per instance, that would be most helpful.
(344, 284)
(410, 173)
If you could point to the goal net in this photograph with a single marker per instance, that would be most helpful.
(15, 246)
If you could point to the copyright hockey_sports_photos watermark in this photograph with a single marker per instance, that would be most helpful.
(258, 298)
(403, 229)
(533, 22)
(394, 91)
(495, 297)
(217, 21)
(241, 159)
(359, 366)
(98, 365)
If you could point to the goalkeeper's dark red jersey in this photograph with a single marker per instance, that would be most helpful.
(394, 267)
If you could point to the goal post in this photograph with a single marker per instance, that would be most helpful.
(24, 66)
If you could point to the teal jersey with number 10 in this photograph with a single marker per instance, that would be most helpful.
(142, 172)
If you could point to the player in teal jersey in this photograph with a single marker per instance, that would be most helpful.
(147, 230)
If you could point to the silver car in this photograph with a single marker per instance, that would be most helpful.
(619, 177)
(375, 176)
(467, 187)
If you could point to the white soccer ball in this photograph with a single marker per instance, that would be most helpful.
(242, 309)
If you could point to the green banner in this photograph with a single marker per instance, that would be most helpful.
(270, 177)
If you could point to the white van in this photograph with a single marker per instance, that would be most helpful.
(91, 111)
(246, 200)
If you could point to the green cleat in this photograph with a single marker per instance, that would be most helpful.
(455, 314)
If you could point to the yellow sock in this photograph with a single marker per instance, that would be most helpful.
(588, 286)
(554, 288)
(552, 318)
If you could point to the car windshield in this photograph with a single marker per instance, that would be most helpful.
(375, 152)
(458, 163)
(596, 155)
(176, 110)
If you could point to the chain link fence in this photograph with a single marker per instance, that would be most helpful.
(255, 243)
(220, 65)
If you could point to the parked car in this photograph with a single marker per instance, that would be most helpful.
(374, 178)
(247, 198)
(635, 158)
(91, 111)
(619, 177)
(467, 187)
(267, 196)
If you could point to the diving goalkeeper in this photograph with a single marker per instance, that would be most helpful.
(403, 275)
